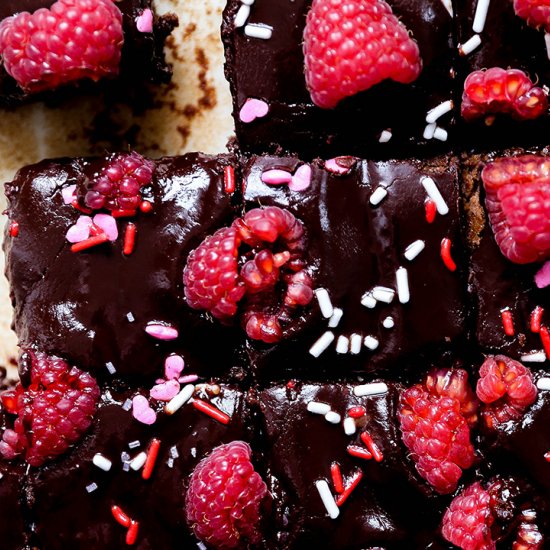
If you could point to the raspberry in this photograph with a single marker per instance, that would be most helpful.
(53, 411)
(270, 243)
(224, 498)
(118, 185)
(73, 40)
(535, 12)
(350, 46)
(507, 389)
(518, 203)
(435, 430)
(495, 90)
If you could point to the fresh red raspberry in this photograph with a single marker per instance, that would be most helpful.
(118, 185)
(437, 433)
(223, 502)
(72, 40)
(507, 389)
(53, 412)
(351, 45)
(535, 12)
(495, 90)
(518, 202)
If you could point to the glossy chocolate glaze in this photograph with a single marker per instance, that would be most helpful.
(273, 70)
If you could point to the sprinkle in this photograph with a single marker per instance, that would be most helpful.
(301, 179)
(429, 131)
(91, 487)
(507, 322)
(242, 16)
(431, 210)
(359, 452)
(127, 405)
(481, 15)
(383, 294)
(201, 546)
(414, 249)
(229, 179)
(437, 112)
(130, 317)
(247, 2)
(388, 322)
(355, 347)
(120, 516)
(349, 426)
(337, 480)
(368, 300)
(152, 454)
(131, 535)
(126, 467)
(327, 498)
(342, 344)
(385, 136)
(441, 134)
(142, 411)
(14, 229)
(445, 253)
(188, 378)
(134, 444)
(545, 337)
(316, 407)
(333, 417)
(69, 194)
(542, 276)
(179, 400)
(252, 109)
(174, 452)
(534, 357)
(276, 176)
(258, 31)
(89, 243)
(374, 388)
(547, 41)
(324, 302)
(372, 446)
(357, 412)
(110, 367)
(379, 194)
(124, 457)
(129, 239)
(144, 23)
(101, 462)
(371, 342)
(322, 344)
(402, 281)
(145, 207)
(340, 165)
(161, 332)
(448, 4)
(470, 45)
(211, 411)
(170, 462)
(543, 384)
(123, 213)
(138, 461)
(547, 456)
(349, 489)
(434, 194)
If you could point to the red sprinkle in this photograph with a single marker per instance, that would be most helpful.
(211, 411)
(359, 452)
(129, 239)
(431, 210)
(372, 446)
(545, 337)
(349, 489)
(446, 254)
(152, 454)
(14, 229)
(146, 207)
(82, 209)
(547, 456)
(337, 480)
(291, 384)
(131, 535)
(536, 319)
(123, 213)
(229, 179)
(357, 412)
(508, 322)
(120, 516)
(89, 243)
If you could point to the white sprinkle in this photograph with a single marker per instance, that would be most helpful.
(333, 417)
(349, 426)
(124, 456)
(441, 134)
(481, 15)
(324, 302)
(170, 462)
(130, 317)
(174, 452)
(258, 30)
(1, 475)
(322, 344)
(439, 111)
(388, 322)
(547, 40)
(470, 45)
(180, 399)
(435, 195)
(375, 388)
(336, 316)
(316, 407)
(201, 546)
(429, 131)
(127, 405)
(110, 368)
(342, 344)
(543, 384)
(448, 6)
(371, 342)
(414, 249)
(355, 347)
(126, 467)
(383, 294)
(134, 444)
(138, 461)
(368, 300)
(242, 16)
(247, 2)
(534, 357)
(379, 194)
(101, 462)
(194, 452)
(402, 280)
(385, 136)
(327, 498)
(91, 488)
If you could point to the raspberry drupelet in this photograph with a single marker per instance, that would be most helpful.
(535, 12)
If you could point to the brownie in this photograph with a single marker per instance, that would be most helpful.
(92, 307)
(354, 247)
(273, 71)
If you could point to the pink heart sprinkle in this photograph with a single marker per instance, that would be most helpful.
(141, 410)
(69, 194)
(144, 22)
(301, 179)
(80, 231)
(253, 109)
(276, 177)
(173, 366)
(108, 224)
(161, 332)
(542, 277)
(165, 391)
